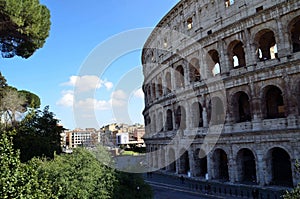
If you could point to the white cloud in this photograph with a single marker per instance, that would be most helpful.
(139, 93)
(93, 104)
(87, 83)
(67, 99)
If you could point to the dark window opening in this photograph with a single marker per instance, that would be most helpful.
(274, 103)
(184, 163)
(179, 74)
(194, 70)
(169, 121)
(267, 47)
(295, 36)
(214, 62)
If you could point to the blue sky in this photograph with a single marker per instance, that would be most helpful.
(78, 29)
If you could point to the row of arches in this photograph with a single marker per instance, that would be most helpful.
(277, 163)
(266, 48)
(214, 111)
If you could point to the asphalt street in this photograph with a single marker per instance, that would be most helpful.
(169, 187)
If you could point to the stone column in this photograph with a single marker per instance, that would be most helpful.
(223, 57)
(232, 169)
(250, 54)
(282, 41)
(191, 160)
(210, 166)
(261, 172)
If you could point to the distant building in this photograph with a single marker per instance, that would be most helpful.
(112, 134)
(82, 137)
(122, 139)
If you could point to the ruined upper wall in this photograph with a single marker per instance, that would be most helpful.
(200, 19)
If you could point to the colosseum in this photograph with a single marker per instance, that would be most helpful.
(222, 91)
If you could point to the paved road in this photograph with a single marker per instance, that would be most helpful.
(166, 187)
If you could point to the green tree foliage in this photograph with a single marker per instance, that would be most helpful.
(32, 100)
(11, 104)
(132, 186)
(25, 25)
(80, 175)
(294, 193)
(38, 135)
(18, 180)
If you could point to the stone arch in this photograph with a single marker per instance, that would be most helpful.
(217, 111)
(160, 122)
(153, 86)
(179, 76)
(184, 162)
(148, 122)
(213, 62)
(196, 110)
(200, 163)
(220, 165)
(194, 70)
(241, 107)
(154, 123)
(169, 120)
(279, 167)
(266, 47)
(246, 166)
(236, 54)
(159, 87)
(180, 118)
(172, 160)
(295, 34)
(168, 82)
(273, 102)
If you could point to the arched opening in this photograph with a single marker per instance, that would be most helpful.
(280, 167)
(220, 165)
(197, 120)
(159, 87)
(217, 111)
(154, 124)
(180, 118)
(184, 163)
(169, 120)
(148, 123)
(274, 103)
(168, 81)
(194, 69)
(267, 48)
(179, 76)
(200, 163)
(246, 166)
(153, 91)
(241, 107)
(214, 62)
(172, 161)
(149, 93)
(160, 122)
(295, 35)
(237, 54)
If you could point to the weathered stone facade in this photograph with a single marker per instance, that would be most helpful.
(222, 84)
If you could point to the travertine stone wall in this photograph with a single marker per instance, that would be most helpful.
(225, 79)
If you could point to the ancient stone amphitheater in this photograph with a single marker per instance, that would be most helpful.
(222, 84)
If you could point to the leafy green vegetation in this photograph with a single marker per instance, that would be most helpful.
(25, 25)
